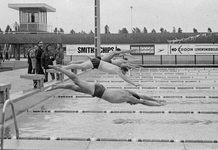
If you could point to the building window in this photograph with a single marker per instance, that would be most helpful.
(42, 17)
(24, 17)
(29, 17)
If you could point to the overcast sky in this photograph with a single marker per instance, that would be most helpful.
(152, 14)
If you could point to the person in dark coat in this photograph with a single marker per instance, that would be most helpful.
(59, 58)
(46, 60)
(39, 52)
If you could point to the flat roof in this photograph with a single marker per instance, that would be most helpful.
(43, 6)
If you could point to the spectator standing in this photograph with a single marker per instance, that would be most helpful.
(9, 51)
(59, 58)
(33, 58)
(47, 59)
(1, 54)
(5, 52)
(39, 52)
(29, 71)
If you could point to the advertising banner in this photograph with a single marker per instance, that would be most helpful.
(193, 49)
(205, 49)
(181, 49)
(161, 49)
(88, 49)
(143, 49)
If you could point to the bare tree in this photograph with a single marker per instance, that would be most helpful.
(72, 31)
(209, 30)
(61, 30)
(91, 32)
(153, 31)
(145, 30)
(56, 30)
(195, 30)
(136, 30)
(124, 30)
(162, 30)
(179, 30)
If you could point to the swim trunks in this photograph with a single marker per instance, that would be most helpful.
(98, 57)
(136, 96)
(95, 62)
(99, 90)
(109, 61)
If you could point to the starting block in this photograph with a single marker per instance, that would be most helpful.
(38, 78)
(4, 92)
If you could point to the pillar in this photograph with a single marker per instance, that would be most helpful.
(97, 29)
(17, 52)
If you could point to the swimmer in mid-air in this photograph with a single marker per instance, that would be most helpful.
(120, 60)
(96, 63)
(98, 90)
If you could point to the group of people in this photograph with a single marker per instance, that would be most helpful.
(5, 52)
(39, 59)
(113, 62)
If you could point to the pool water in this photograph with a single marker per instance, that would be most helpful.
(165, 125)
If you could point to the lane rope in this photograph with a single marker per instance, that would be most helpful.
(122, 112)
(154, 96)
(113, 139)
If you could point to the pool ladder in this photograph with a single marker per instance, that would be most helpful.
(9, 101)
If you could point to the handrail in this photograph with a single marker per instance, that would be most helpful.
(9, 101)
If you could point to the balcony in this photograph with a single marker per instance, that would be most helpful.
(35, 28)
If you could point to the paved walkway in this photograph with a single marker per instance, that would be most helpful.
(17, 84)
(13, 77)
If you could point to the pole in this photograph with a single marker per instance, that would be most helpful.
(97, 39)
(131, 18)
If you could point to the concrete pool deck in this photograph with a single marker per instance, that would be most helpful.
(159, 78)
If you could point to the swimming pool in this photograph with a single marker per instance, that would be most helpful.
(191, 112)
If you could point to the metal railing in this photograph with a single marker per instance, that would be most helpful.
(9, 101)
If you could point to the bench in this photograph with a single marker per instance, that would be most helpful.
(61, 76)
(38, 78)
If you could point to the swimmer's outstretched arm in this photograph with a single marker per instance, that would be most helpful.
(55, 87)
(64, 70)
(76, 62)
(80, 61)
(149, 103)
(135, 101)
(55, 67)
(129, 65)
(70, 66)
(144, 97)
(147, 98)
(125, 78)
(131, 56)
